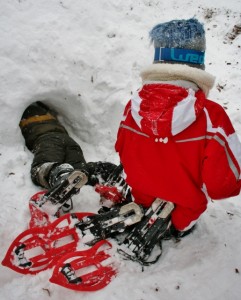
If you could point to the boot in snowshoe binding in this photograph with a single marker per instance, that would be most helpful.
(146, 235)
(46, 204)
(66, 189)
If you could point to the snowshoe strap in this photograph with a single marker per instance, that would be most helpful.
(146, 235)
(37, 249)
(86, 270)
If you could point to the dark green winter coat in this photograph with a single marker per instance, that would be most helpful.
(47, 138)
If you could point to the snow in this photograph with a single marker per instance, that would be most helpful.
(83, 58)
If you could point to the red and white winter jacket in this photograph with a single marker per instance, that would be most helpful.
(177, 145)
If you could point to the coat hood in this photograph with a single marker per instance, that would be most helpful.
(164, 110)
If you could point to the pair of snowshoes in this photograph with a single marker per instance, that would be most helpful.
(57, 245)
(55, 242)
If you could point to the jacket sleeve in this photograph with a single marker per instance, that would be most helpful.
(222, 158)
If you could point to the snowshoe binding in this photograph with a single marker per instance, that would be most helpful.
(45, 205)
(108, 224)
(139, 244)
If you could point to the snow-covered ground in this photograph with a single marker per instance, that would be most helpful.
(84, 58)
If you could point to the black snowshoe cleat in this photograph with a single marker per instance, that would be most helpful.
(139, 244)
(108, 224)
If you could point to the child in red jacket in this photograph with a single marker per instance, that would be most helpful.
(173, 142)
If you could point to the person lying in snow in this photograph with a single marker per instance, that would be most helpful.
(174, 143)
(56, 154)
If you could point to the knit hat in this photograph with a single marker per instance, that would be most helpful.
(179, 42)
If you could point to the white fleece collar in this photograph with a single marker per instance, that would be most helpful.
(170, 72)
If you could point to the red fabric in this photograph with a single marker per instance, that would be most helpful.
(109, 193)
(157, 107)
(176, 170)
(158, 102)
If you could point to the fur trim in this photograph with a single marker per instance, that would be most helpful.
(167, 72)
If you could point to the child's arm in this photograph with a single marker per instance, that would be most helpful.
(222, 161)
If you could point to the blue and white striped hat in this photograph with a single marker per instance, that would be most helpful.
(179, 41)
